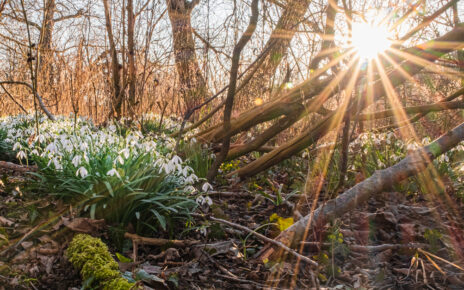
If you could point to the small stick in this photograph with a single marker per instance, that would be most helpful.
(262, 237)
(160, 242)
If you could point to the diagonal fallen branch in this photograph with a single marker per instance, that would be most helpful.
(361, 192)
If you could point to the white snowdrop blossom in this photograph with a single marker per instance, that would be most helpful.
(21, 155)
(76, 161)
(125, 152)
(206, 187)
(82, 172)
(113, 172)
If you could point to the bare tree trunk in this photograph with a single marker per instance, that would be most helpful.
(232, 86)
(277, 46)
(381, 180)
(192, 82)
(45, 45)
(131, 49)
(117, 98)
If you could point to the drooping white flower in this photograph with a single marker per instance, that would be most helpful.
(17, 146)
(76, 161)
(57, 164)
(82, 172)
(113, 172)
(21, 155)
(206, 187)
(125, 152)
(120, 160)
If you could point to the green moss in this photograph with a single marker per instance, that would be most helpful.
(117, 284)
(91, 256)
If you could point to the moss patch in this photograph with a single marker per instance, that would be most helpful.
(91, 256)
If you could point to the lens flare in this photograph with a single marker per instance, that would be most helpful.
(370, 40)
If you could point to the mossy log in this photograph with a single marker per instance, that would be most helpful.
(91, 257)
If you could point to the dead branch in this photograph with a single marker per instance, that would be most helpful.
(17, 167)
(440, 106)
(378, 182)
(160, 242)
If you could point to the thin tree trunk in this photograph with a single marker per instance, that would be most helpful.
(192, 82)
(131, 49)
(117, 98)
(232, 86)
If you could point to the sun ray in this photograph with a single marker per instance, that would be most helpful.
(430, 178)
(434, 67)
(354, 66)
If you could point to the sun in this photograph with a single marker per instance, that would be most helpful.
(369, 40)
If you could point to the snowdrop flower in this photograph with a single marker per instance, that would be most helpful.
(21, 155)
(84, 146)
(113, 172)
(35, 152)
(16, 146)
(125, 152)
(443, 158)
(203, 231)
(76, 161)
(176, 160)
(190, 189)
(200, 200)
(57, 164)
(82, 172)
(120, 160)
(206, 187)
(191, 179)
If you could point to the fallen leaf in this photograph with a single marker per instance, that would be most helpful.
(5, 222)
(85, 225)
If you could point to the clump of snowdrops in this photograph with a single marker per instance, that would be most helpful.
(119, 175)
(375, 151)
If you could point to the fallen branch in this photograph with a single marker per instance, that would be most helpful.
(373, 248)
(440, 106)
(160, 242)
(380, 181)
(17, 167)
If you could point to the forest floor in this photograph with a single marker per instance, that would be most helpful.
(392, 242)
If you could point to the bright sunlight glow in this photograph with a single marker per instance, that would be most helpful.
(369, 40)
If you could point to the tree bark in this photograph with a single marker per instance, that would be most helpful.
(117, 98)
(277, 46)
(131, 50)
(45, 46)
(192, 82)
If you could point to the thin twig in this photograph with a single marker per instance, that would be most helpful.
(262, 237)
